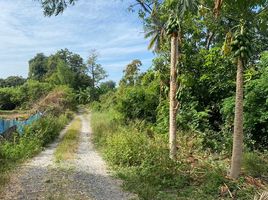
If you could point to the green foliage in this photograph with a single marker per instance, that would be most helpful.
(138, 154)
(255, 164)
(126, 149)
(256, 107)
(140, 158)
(138, 103)
(8, 98)
(23, 149)
(95, 70)
(131, 73)
(38, 67)
(255, 112)
(31, 91)
(58, 101)
(12, 81)
(36, 136)
(46, 129)
(64, 75)
(62, 68)
(24, 95)
(107, 86)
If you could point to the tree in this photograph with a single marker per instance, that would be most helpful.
(95, 70)
(107, 86)
(12, 81)
(246, 18)
(178, 10)
(38, 67)
(158, 25)
(155, 29)
(131, 73)
(65, 75)
(73, 60)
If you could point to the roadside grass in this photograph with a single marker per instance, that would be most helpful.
(141, 161)
(69, 144)
(13, 114)
(33, 140)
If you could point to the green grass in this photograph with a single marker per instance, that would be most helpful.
(21, 148)
(12, 114)
(142, 161)
(69, 144)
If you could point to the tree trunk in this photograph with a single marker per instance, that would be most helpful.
(238, 123)
(93, 77)
(217, 8)
(173, 91)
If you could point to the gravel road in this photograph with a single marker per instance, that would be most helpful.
(84, 178)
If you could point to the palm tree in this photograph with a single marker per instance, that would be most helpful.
(240, 12)
(178, 10)
(173, 103)
(157, 30)
(241, 48)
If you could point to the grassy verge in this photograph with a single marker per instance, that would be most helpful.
(13, 114)
(140, 158)
(69, 143)
(34, 139)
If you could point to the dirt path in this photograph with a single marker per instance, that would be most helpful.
(85, 177)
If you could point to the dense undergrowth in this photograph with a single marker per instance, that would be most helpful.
(140, 159)
(55, 108)
(35, 137)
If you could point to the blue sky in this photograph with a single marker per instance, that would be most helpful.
(104, 25)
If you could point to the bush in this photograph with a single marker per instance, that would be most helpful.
(24, 95)
(143, 159)
(9, 98)
(35, 136)
(24, 148)
(138, 103)
(46, 129)
(255, 165)
(125, 148)
(57, 101)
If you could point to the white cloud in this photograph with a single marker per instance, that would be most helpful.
(97, 24)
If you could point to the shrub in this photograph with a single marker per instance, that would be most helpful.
(143, 159)
(35, 136)
(255, 165)
(138, 103)
(57, 101)
(125, 148)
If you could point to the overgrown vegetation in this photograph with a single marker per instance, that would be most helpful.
(55, 104)
(140, 159)
(35, 137)
(211, 62)
(131, 124)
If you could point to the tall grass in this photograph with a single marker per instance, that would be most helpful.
(140, 158)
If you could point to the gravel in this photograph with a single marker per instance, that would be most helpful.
(84, 178)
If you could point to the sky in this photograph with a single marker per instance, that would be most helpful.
(105, 25)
